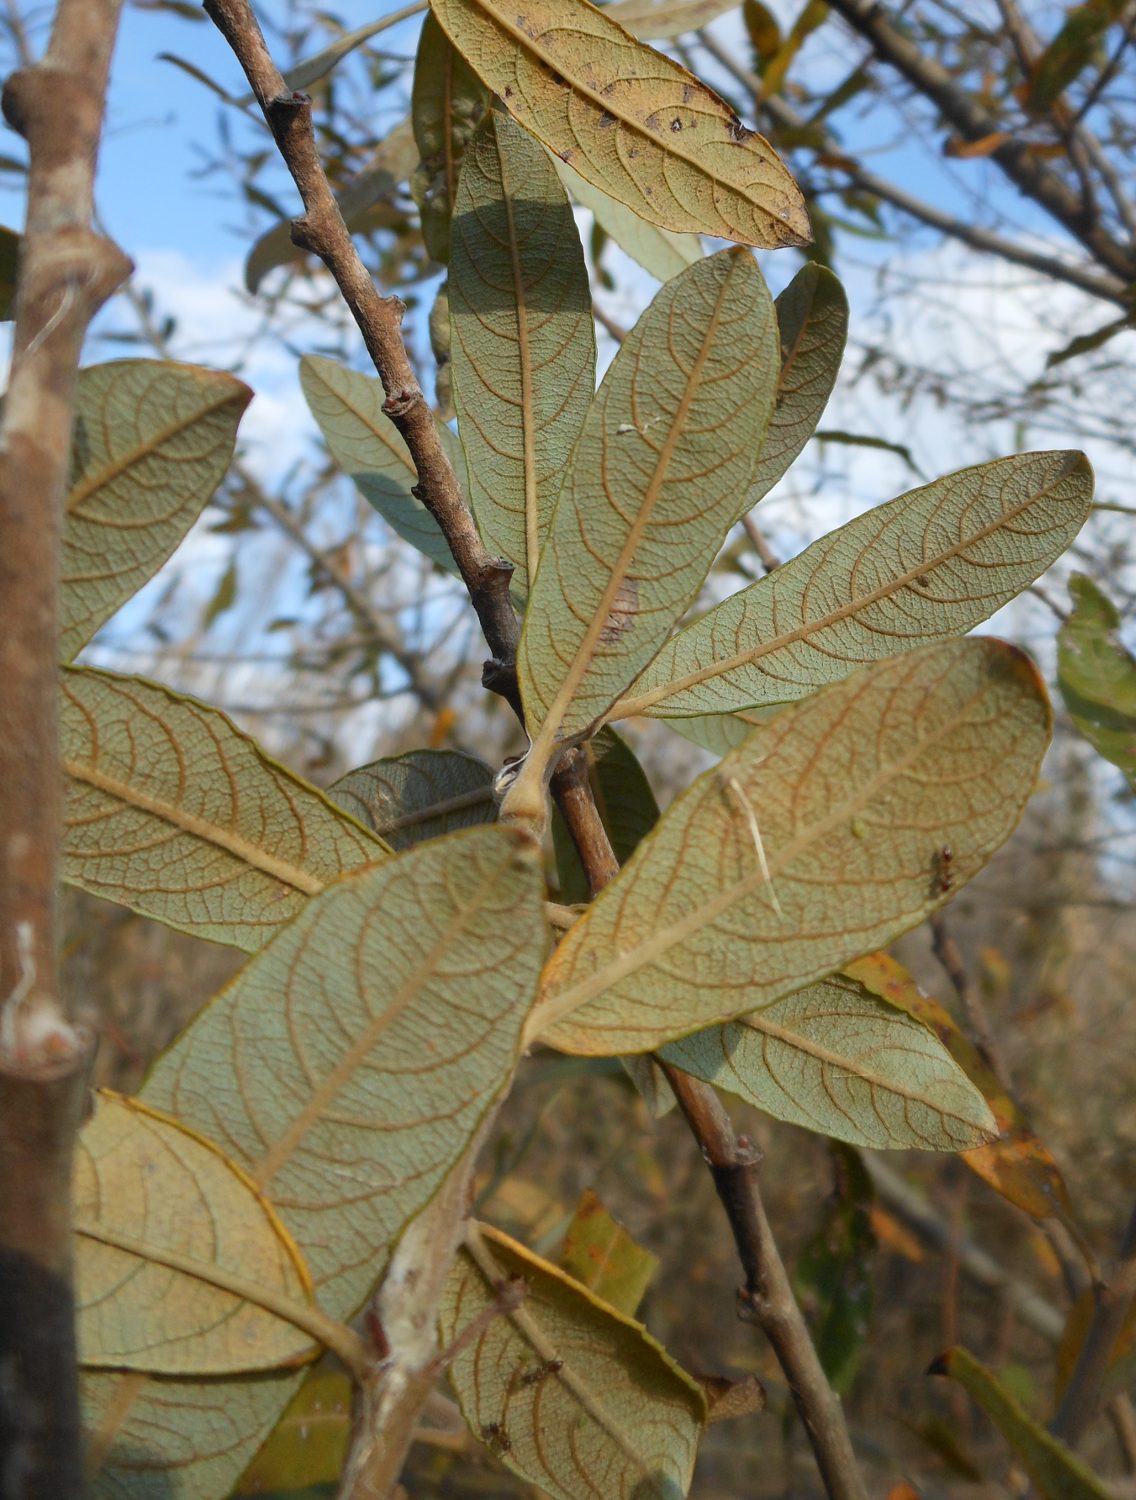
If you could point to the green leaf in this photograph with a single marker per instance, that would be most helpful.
(524, 350)
(309, 1444)
(1070, 52)
(164, 1221)
(813, 14)
(1058, 1473)
(447, 101)
(389, 166)
(628, 119)
(172, 811)
(866, 440)
(719, 733)
(1097, 676)
(367, 446)
(927, 566)
(663, 20)
(1015, 1164)
(837, 1060)
(151, 443)
(420, 795)
(570, 1394)
(626, 805)
(9, 270)
(668, 445)
(833, 1274)
(1085, 343)
(819, 838)
(345, 1070)
(320, 64)
(812, 318)
(601, 1255)
(657, 250)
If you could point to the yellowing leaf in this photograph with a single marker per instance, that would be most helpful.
(152, 441)
(447, 101)
(417, 796)
(523, 350)
(1058, 1473)
(819, 838)
(345, 1070)
(812, 319)
(657, 250)
(1016, 1164)
(665, 19)
(668, 445)
(600, 1254)
(172, 811)
(567, 1392)
(369, 449)
(925, 567)
(628, 119)
(310, 1442)
(837, 1060)
(181, 1266)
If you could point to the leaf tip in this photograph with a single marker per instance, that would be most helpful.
(941, 1364)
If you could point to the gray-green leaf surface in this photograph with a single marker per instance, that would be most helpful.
(406, 799)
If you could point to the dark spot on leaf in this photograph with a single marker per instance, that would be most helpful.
(606, 119)
(558, 78)
(508, 92)
(922, 580)
(740, 132)
(686, 92)
(624, 609)
(676, 123)
(633, 153)
(566, 155)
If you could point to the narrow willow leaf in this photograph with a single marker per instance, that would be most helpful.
(151, 443)
(447, 101)
(1056, 1470)
(172, 811)
(628, 119)
(417, 796)
(818, 839)
(348, 1065)
(159, 1438)
(1016, 1164)
(600, 1254)
(570, 1394)
(178, 1258)
(346, 1070)
(657, 250)
(833, 1275)
(320, 64)
(668, 445)
(663, 20)
(927, 566)
(812, 316)
(367, 446)
(626, 805)
(1097, 676)
(366, 200)
(524, 349)
(839, 1061)
(1078, 1322)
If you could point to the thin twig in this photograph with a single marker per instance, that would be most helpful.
(765, 553)
(67, 271)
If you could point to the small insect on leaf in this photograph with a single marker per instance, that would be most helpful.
(943, 870)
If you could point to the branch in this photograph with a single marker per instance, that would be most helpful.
(322, 232)
(67, 271)
(1107, 287)
(973, 122)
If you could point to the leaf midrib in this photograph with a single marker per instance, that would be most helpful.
(627, 707)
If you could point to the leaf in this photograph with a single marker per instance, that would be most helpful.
(151, 443)
(447, 101)
(172, 811)
(719, 733)
(1058, 1473)
(1073, 1335)
(813, 14)
(812, 318)
(320, 64)
(369, 449)
(570, 1394)
(389, 166)
(420, 795)
(346, 1069)
(1097, 676)
(524, 350)
(833, 1274)
(668, 444)
(663, 20)
(657, 250)
(1016, 1164)
(309, 1444)
(1070, 52)
(630, 120)
(835, 1059)
(925, 567)
(1085, 343)
(865, 440)
(9, 270)
(626, 805)
(181, 1265)
(224, 595)
(602, 1256)
(819, 838)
